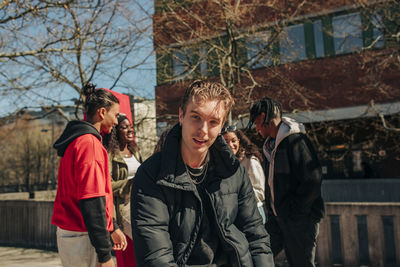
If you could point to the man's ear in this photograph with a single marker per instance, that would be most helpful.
(101, 112)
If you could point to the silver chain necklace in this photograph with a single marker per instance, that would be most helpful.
(194, 176)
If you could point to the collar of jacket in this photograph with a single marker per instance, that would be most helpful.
(173, 173)
(118, 158)
(287, 127)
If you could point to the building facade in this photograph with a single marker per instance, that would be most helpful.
(332, 64)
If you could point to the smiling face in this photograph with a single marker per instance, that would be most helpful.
(201, 124)
(232, 140)
(109, 118)
(125, 132)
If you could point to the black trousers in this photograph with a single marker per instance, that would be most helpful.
(297, 236)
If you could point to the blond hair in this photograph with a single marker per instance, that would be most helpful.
(200, 91)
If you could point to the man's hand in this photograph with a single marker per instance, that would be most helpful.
(109, 263)
(119, 240)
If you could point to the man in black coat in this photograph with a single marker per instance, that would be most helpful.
(294, 175)
(192, 203)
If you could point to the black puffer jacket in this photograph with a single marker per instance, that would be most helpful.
(167, 210)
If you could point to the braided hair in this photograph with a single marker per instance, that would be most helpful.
(271, 107)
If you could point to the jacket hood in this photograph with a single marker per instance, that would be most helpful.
(73, 130)
(173, 172)
(288, 126)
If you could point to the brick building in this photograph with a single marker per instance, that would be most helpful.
(334, 65)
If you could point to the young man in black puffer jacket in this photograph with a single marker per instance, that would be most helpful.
(193, 203)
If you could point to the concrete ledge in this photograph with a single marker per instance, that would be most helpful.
(361, 190)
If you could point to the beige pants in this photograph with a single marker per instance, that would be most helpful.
(75, 249)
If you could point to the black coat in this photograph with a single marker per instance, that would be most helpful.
(167, 211)
(297, 179)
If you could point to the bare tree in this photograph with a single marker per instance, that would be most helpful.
(50, 49)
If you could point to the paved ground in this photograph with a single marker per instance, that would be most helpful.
(22, 257)
(13, 257)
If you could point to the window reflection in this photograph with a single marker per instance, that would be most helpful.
(185, 62)
(181, 62)
(318, 39)
(347, 37)
(258, 50)
(347, 33)
(203, 60)
(377, 25)
(292, 43)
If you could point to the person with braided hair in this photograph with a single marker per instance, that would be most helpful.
(293, 187)
(83, 208)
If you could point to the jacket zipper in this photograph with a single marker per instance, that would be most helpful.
(220, 230)
(190, 247)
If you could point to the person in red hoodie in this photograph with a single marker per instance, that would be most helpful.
(83, 208)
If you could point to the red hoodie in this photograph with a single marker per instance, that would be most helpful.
(83, 173)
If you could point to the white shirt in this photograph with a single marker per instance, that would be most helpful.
(133, 165)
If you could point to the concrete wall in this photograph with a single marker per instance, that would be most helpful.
(144, 120)
(359, 234)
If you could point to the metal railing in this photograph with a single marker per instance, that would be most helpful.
(26, 223)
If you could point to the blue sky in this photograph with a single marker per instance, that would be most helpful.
(140, 81)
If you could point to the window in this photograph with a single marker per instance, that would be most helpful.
(181, 63)
(318, 39)
(377, 34)
(187, 60)
(292, 43)
(203, 60)
(258, 50)
(347, 33)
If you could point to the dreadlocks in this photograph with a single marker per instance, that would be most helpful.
(271, 107)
